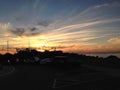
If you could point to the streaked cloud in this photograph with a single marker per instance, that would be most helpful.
(115, 40)
(4, 26)
(81, 25)
(114, 4)
(93, 28)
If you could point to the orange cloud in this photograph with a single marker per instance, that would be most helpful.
(115, 40)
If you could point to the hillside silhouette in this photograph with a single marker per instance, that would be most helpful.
(28, 56)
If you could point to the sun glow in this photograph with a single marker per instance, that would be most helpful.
(94, 28)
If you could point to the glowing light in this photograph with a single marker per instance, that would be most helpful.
(8, 61)
(17, 60)
(41, 50)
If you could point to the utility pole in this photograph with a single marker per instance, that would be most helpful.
(29, 47)
(29, 44)
(7, 46)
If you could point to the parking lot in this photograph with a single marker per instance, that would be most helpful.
(36, 77)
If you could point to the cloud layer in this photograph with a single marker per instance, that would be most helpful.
(92, 29)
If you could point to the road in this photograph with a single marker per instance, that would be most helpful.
(110, 71)
(7, 70)
(36, 77)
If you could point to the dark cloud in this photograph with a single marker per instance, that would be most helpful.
(45, 23)
(32, 34)
(33, 29)
(18, 31)
(27, 32)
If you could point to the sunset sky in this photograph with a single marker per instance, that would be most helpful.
(70, 25)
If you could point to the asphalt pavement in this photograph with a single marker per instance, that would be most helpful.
(37, 77)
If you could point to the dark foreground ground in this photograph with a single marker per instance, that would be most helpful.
(36, 77)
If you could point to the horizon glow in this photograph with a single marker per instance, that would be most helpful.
(79, 26)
